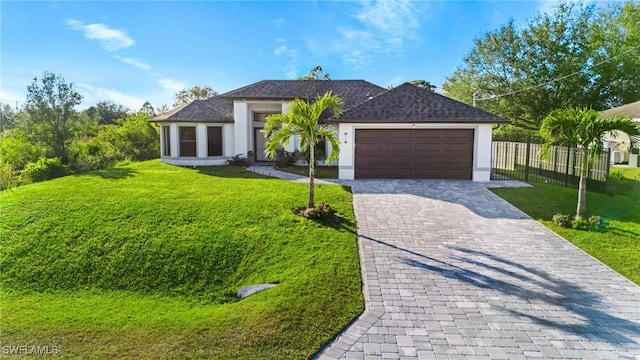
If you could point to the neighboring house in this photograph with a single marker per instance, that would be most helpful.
(619, 141)
(403, 132)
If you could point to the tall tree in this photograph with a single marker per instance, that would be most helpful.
(316, 74)
(7, 117)
(163, 109)
(52, 118)
(148, 109)
(586, 129)
(302, 120)
(107, 112)
(574, 56)
(186, 96)
(423, 84)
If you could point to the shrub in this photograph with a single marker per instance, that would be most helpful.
(93, 154)
(322, 213)
(580, 223)
(8, 176)
(41, 170)
(563, 220)
(17, 150)
(596, 223)
(285, 159)
(238, 160)
(133, 137)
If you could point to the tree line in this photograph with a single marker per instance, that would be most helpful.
(579, 56)
(47, 137)
(575, 56)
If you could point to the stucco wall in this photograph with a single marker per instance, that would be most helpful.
(201, 158)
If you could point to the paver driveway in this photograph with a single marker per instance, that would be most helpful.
(452, 271)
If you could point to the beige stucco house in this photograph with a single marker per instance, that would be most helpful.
(403, 132)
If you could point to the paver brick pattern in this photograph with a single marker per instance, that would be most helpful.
(451, 271)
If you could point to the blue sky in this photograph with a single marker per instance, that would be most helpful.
(131, 52)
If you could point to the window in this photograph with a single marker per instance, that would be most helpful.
(187, 140)
(214, 141)
(166, 137)
(262, 116)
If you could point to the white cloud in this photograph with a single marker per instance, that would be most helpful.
(134, 62)
(547, 6)
(291, 67)
(392, 17)
(172, 85)
(109, 39)
(385, 27)
(281, 40)
(396, 80)
(292, 72)
(279, 22)
(279, 50)
(93, 95)
(11, 97)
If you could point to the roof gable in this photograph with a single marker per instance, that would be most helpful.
(408, 103)
(215, 109)
(351, 92)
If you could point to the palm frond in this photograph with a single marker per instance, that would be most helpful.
(276, 139)
(584, 127)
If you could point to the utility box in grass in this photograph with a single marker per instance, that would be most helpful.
(634, 160)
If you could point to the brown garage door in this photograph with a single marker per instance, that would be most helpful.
(414, 154)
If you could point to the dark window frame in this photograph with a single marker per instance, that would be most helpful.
(166, 136)
(214, 148)
(261, 116)
(186, 143)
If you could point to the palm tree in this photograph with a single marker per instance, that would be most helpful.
(584, 128)
(302, 120)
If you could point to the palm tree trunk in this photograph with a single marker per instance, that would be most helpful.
(312, 169)
(582, 187)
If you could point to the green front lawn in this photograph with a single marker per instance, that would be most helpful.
(619, 245)
(143, 261)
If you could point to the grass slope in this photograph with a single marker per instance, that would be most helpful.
(142, 261)
(619, 245)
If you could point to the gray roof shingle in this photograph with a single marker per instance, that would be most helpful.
(214, 110)
(632, 110)
(410, 104)
(352, 92)
(363, 101)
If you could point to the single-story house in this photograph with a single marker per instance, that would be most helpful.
(617, 141)
(403, 132)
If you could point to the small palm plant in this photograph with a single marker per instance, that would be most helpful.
(302, 120)
(585, 128)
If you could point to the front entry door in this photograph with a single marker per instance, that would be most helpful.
(259, 142)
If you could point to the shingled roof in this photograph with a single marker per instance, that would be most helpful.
(410, 104)
(632, 110)
(215, 110)
(352, 92)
